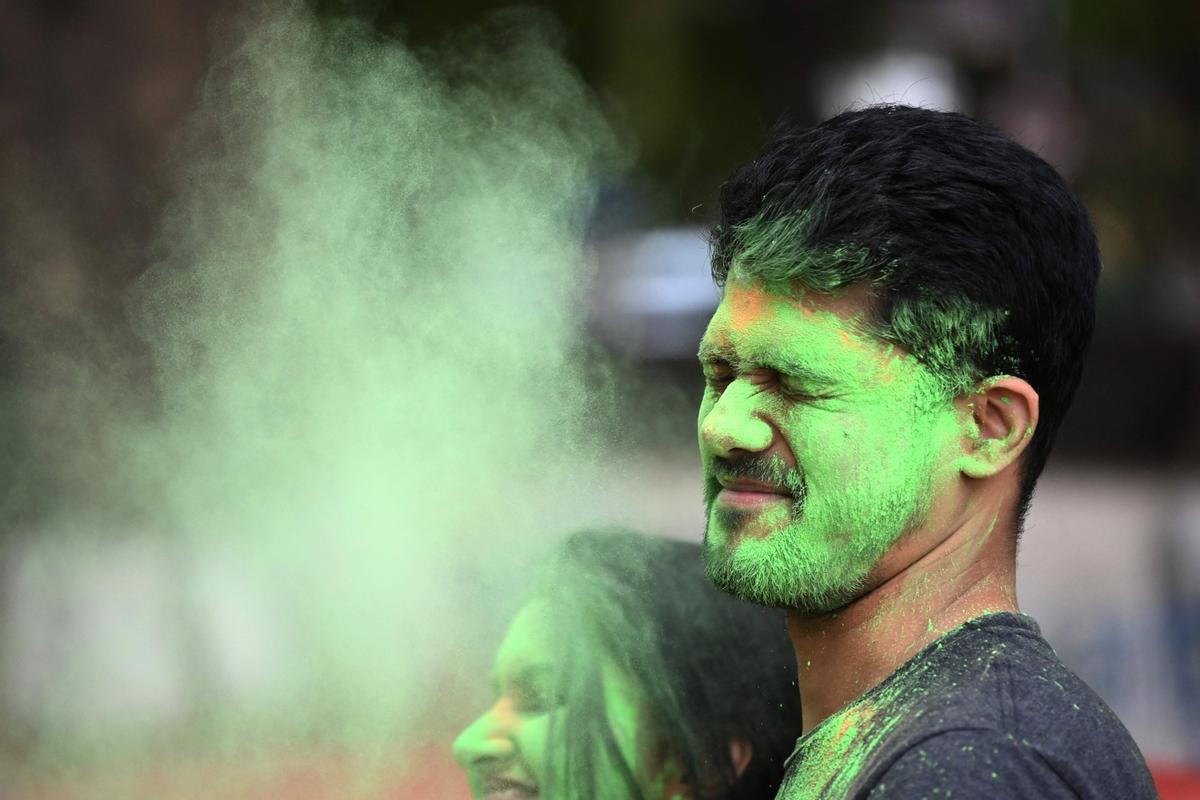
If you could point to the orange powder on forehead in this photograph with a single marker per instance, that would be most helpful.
(749, 307)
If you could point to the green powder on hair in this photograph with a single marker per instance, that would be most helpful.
(951, 334)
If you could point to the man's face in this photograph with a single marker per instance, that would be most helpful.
(821, 446)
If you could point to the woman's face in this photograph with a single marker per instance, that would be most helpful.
(505, 751)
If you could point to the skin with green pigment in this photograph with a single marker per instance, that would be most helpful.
(511, 741)
(515, 729)
(857, 430)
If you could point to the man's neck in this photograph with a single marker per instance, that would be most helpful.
(841, 655)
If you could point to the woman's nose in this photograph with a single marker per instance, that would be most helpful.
(488, 738)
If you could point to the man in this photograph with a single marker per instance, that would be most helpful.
(907, 301)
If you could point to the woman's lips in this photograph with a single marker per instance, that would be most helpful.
(511, 793)
(507, 789)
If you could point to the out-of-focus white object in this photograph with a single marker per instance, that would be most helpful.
(655, 292)
(912, 78)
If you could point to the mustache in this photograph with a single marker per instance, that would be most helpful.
(773, 470)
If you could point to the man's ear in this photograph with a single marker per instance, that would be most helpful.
(1000, 418)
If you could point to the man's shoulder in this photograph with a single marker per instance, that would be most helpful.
(982, 762)
(995, 693)
(997, 673)
(989, 697)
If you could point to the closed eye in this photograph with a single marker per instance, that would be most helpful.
(798, 396)
(799, 393)
(532, 689)
(536, 696)
(717, 375)
(718, 384)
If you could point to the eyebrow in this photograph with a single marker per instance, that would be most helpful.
(525, 676)
(713, 353)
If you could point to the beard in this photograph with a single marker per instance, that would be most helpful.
(815, 558)
(768, 573)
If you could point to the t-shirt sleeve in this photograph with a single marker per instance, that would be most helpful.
(971, 764)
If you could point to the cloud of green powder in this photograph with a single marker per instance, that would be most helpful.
(372, 395)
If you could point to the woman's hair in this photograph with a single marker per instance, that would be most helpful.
(710, 669)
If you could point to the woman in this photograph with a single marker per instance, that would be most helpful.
(626, 675)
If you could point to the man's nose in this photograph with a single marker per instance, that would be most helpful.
(733, 423)
(489, 738)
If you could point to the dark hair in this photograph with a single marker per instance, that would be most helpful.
(710, 667)
(982, 260)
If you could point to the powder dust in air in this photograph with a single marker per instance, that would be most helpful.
(369, 400)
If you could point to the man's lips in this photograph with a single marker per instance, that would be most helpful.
(749, 492)
(498, 788)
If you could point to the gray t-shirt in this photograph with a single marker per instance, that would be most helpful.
(986, 711)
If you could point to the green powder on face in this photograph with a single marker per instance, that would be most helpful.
(869, 427)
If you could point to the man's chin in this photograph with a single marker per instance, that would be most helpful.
(762, 582)
(721, 542)
(721, 564)
(735, 525)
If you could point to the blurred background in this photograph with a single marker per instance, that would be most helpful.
(91, 95)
